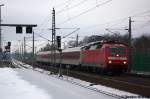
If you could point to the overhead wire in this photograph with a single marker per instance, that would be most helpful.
(88, 10)
(80, 14)
(43, 24)
(121, 19)
(45, 20)
(70, 33)
(43, 37)
(137, 15)
(99, 24)
(76, 5)
(41, 44)
(98, 5)
(62, 4)
(142, 15)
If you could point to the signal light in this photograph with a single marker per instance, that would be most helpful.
(18, 29)
(29, 29)
(9, 43)
(58, 41)
(1, 50)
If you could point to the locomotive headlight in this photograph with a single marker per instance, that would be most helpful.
(124, 62)
(109, 62)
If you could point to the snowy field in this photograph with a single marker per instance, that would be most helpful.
(26, 83)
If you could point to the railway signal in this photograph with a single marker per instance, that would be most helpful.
(29, 29)
(7, 48)
(58, 42)
(9, 43)
(18, 29)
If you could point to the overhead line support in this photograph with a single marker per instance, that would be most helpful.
(53, 38)
(130, 44)
(0, 29)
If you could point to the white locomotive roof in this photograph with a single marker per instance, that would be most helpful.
(74, 49)
(45, 52)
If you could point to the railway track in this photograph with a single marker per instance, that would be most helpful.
(126, 84)
(134, 84)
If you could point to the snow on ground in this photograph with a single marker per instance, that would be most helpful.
(13, 86)
(20, 64)
(59, 89)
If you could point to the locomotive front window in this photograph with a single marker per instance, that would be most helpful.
(121, 51)
(114, 51)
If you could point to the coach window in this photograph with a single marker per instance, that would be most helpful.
(99, 46)
(87, 47)
(93, 47)
(83, 48)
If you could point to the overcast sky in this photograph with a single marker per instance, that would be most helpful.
(91, 16)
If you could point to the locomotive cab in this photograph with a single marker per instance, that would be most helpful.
(117, 57)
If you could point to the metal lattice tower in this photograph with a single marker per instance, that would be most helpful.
(53, 38)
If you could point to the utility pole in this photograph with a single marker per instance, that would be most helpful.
(0, 29)
(22, 51)
(77, 40)
(33, 51)
(24, 48)
(53, 38)
(130, 45)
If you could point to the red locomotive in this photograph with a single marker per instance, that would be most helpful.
(106, 56)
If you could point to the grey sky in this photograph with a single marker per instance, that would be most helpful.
(39, 12)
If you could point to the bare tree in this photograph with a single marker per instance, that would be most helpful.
(142, 43)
